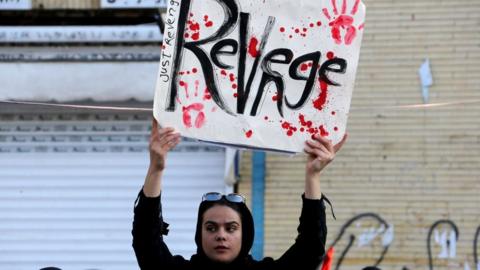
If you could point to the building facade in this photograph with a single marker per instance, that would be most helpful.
(405, 186)
(69, 176)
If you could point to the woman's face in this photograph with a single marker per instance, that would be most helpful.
(221, 234)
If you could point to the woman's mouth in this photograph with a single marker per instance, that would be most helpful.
(221, 248)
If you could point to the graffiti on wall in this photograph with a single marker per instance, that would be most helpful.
(363, 236)
(364, 229)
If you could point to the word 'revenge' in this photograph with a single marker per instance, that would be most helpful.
(228, 46)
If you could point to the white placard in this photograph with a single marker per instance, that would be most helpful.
(259, 74)
(134, 3)
(79, 34)
(15, 4)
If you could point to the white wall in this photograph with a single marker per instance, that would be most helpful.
(67, 81)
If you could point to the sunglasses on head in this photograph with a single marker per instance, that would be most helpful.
(215, 196)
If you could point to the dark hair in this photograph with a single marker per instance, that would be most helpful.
(222, 202)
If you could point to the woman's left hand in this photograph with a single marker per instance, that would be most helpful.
(320, 153)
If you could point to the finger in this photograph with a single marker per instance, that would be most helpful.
(316, 153)
(154, 127)
(339, 145)
(308, 150)
(323, 140)
(154, 123)
(317, 145)
(169, 139)
(172, 144)
(165, 132)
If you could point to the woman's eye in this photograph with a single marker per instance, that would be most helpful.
(232, 228)
(210, 228)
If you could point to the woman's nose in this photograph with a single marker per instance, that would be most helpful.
(221, 235)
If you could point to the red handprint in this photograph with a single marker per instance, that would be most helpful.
(343, 21)
(195, 109)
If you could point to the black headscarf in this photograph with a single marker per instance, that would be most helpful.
(248, 229)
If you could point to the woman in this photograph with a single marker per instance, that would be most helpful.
(225, 229)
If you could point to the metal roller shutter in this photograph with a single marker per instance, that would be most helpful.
(68, 184)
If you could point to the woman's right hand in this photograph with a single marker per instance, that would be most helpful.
(161, 142)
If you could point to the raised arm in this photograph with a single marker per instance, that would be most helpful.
(148, 225)
(161, 142)
(320, 153)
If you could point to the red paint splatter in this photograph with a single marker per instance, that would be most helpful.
(195, 26)
(289, 128)
(185, 86)
(275, 97)
(333, 113)
(335, 128)
(224, 72)
(194, 70)
(307, 125)
(304, 67)
(282, 29)
(234, 86)
(322, 98)
(196, 36)
(199, 119)
(206, 95)
(266, 118)
(205, 18)
(319, 23)
(330, 55)
(193, 30)
(301, 117)
(249, 133)
(235, 95)
(297, 30)
(232, 77)
(209, 24)
(312, 25)
(323, 132)
(252, 47)
(197, 83)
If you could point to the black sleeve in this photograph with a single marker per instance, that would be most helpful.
(148, 230)
(309, 248)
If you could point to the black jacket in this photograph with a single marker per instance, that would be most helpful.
(153, 254)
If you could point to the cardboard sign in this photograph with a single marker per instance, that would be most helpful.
(259, 74)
